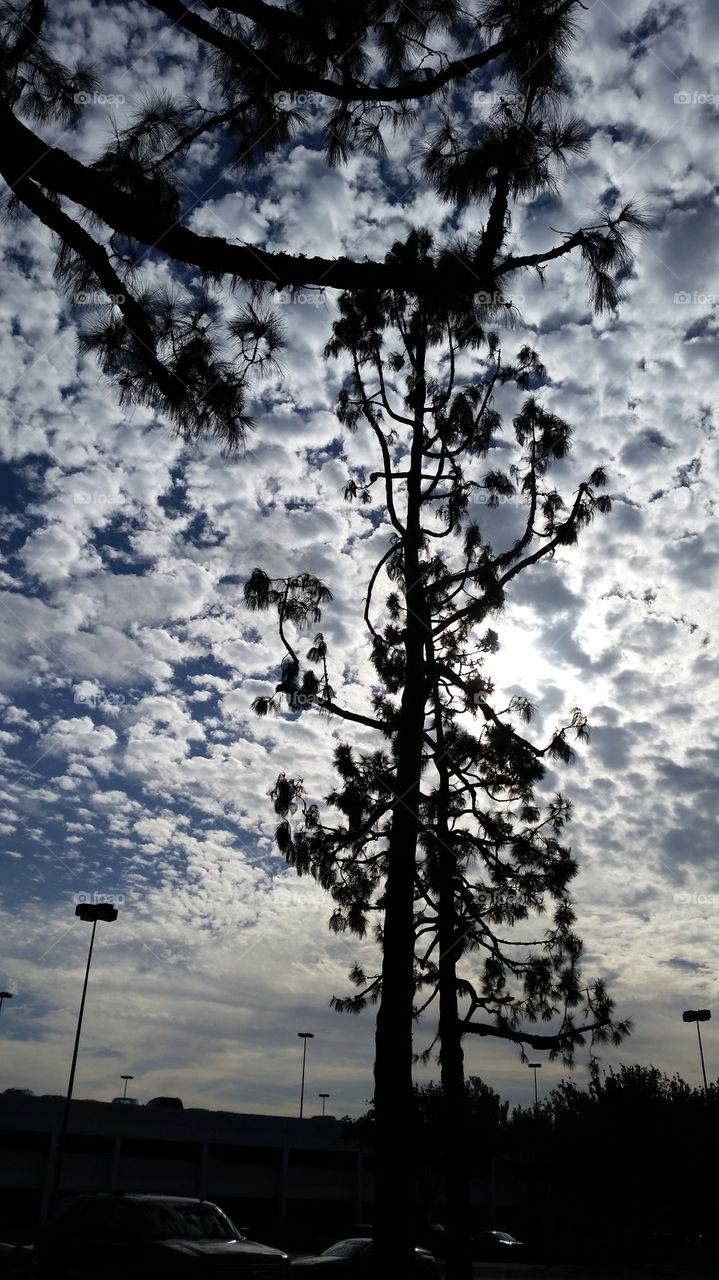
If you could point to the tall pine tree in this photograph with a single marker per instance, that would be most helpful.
(439, 832)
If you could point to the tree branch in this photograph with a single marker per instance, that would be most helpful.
(355, 717)
(560, 1040)
(23, 154)
(292, 76)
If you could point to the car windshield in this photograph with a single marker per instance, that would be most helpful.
(186, 1222)
(346, 1249)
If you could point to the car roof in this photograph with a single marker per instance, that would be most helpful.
(136, 1195)
(368, 1240)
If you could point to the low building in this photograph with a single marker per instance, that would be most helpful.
(271, 1173)
(279, 1177)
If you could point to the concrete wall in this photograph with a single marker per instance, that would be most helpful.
(269, 1163)
(268, 1172)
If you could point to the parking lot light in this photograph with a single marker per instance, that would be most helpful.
(304, 1037)
(535, 1067)
(698, 1015)
(90, 912)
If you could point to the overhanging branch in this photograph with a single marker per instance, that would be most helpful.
(293, 76)
(23, 154)
(560, 1040)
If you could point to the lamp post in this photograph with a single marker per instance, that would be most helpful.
(304, 1037)
(535, 1067)
(698, 1015)
(90, 912)
(126, 1078)
(4, 995)
(324, 1097)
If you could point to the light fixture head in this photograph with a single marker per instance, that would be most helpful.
(696, 1015)
(92, 911)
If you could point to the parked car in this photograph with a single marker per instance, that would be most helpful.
(126, 1102)
(143, 1237)
(15, 1261)
(354, 1258)
(497, 1246)
(172, 1104)
(434, 1237)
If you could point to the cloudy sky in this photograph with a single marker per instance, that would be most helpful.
(131, 762)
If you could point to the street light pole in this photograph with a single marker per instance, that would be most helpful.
(4, 995)
(535, 1067)
(699, 1015)
(324, 1097)
(89, 912)
(304, 1036)
(701, 1056)
(126, 1078)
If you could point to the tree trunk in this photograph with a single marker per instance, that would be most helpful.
(395, 1222)
(456, 1152)
(395, 1177)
